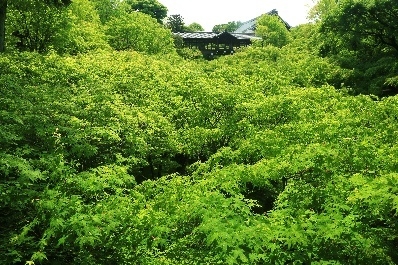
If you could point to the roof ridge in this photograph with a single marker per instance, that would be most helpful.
(250, 24)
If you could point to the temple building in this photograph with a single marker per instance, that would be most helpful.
(212, 43)
(249, 27)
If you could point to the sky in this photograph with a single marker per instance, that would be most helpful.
(209, 13)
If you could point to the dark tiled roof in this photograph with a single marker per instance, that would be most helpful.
(196, 35)
(211, 35)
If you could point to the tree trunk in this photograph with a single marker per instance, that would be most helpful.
(3, 10)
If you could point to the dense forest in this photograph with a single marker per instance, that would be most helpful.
(119, 147)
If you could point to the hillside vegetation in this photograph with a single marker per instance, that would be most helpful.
(115, 151)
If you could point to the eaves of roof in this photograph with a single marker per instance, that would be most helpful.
(212, 35)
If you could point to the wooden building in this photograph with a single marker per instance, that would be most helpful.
(212, 44)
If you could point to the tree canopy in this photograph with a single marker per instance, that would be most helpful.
(139, 32)
(150, 7)
(107, 9)
(193, 27)
(175, 23)
(35, 22)
(362, 37)
(364, 21)
(272, 30)
(228, 27)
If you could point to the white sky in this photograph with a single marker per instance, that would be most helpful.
(212, 12)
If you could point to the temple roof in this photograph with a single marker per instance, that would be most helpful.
(249, 26)
(211, 35)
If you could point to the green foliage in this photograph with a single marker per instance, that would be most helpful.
(322, 8)
(34, 25)
(152, 8)
(84, 32)
(194, 27)
(272, 30)
(361, 37)
(37, 26)
(367, 21)
(107, 9)
(228, 27)
(190, 54)
(139, 32)
(3, 15)
(142, 157)
(175, 23)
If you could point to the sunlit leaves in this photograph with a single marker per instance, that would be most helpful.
(139, 32)
(272, 30)
(129, 158)
(34, 25)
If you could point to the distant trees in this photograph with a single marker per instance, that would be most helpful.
(176, 24)
(107, 9)
(149, 7)
(193, 27)
(228, 27)
(110, 8)
(322, 8)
